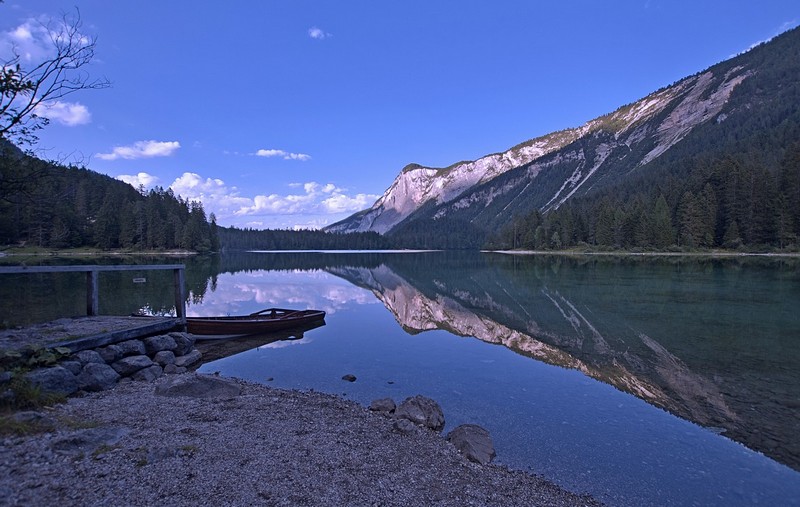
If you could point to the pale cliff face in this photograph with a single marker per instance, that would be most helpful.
(663, 118)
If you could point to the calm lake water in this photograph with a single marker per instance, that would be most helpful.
(643, 381)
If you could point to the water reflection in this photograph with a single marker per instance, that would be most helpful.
(708, 340)
(680, 335)
(714, 341)
(214, 348)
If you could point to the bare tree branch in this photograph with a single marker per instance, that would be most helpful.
(23, 91)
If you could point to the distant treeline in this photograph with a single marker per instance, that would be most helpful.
(731, 202)
(48, 205)
(276, 239)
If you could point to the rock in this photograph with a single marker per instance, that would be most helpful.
(184, 343)
(422, 411)
(198, 386)
(87, 356)
(164, 357)
(383, 405)
(97, 377)
(155, 344)
(148, 374)
(55, 379)
(74, 367)
(349, 378)
(111, 353)
(132, 348)
(404, 426)
(86, 441)
(189, 359)
(34, 419)
(474, 442)
(5, 377)
(131, 364)
(172, 369)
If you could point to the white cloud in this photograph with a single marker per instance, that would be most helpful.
(30, 41)
(140, 179)
(216, 197)
(340, 203)
(142, 149)
(33, 40)
(65, 113)
(318, 33)
(283, 154)
(316, 199)
(311, 206)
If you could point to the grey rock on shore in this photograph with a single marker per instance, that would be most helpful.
(422, 411)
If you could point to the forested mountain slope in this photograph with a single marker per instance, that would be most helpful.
(47, 205)
(707, 161)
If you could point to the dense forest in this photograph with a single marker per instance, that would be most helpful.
(47, 205)
(233, 238)
(731, 202)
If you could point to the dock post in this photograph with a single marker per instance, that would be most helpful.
(92, 293)
(180, 295)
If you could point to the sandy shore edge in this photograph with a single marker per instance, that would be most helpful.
(129, 446)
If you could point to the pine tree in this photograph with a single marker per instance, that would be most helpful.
(690, 221)
(663, 232)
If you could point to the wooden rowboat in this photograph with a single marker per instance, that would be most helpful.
(265, 321)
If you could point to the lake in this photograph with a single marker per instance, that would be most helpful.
(640, 380)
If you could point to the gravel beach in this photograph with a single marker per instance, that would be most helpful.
(129, 446)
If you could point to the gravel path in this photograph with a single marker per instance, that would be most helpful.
(264, 447)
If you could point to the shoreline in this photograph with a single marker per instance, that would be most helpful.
(645, 254)
(610, 253)
(266, 446)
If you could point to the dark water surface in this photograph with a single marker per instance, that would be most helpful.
(642, 381)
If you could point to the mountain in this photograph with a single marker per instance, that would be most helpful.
(745, 106)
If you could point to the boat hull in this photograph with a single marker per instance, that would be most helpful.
(273, 319)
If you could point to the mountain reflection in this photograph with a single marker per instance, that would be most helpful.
(584, 315)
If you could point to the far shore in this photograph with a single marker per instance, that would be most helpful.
(623, 253)
(14, 252)
(96, 253)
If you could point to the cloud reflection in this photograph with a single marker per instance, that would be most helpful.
(285, 343)
(245, 293)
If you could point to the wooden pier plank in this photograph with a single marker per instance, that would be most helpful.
(149, 326)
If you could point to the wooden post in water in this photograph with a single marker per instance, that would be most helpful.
(93, 286)
(92, 293)
(180, 295)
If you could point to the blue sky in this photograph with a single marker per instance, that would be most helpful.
(298, 113)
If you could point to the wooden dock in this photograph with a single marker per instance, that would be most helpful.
(94, 331)
(82, 333)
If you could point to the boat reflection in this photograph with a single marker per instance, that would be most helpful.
(215, 347)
